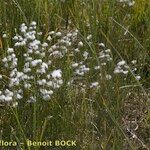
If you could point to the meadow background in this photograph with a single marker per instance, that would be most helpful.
(114, 115)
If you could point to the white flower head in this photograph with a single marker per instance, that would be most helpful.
(94, 84)
(57, 73)
(80, 44)
(121, 63)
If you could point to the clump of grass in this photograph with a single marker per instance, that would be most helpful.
(71, 74)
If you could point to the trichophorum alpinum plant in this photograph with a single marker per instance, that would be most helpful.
(75, 73)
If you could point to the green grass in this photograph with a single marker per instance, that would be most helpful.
(95, 118)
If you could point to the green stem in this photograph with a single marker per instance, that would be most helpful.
(34, 120)
(19, 125)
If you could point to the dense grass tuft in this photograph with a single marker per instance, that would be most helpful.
(75, 70)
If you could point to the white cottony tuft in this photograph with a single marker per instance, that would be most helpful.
(121, 63)
(57, 73)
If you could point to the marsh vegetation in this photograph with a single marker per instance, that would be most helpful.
(75, 70)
